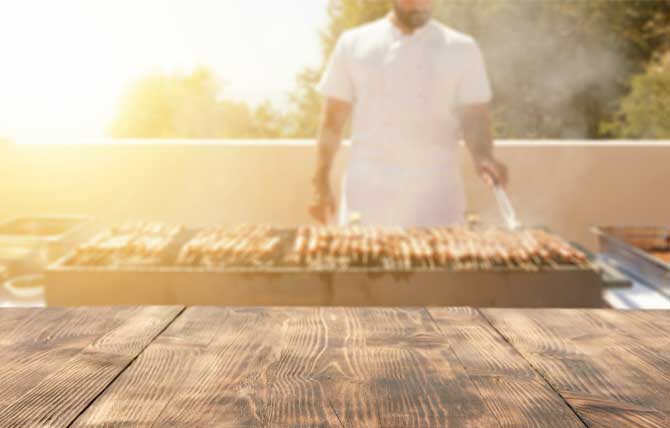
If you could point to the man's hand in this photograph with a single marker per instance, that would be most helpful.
(323, 204)
(492, 171)
(476, 124)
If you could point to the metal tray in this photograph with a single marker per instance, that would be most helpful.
(628, 246)
(30, 244)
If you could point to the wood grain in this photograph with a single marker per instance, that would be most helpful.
(398, 370)
(35, 344)
(233, 373)
(612, 367)
(295, 367)
(143, 392)
(334, 367)
(511, 389)
(56, 361)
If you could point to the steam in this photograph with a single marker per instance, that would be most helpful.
(554, 75)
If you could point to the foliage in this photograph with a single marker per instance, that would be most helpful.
(645, 112)
(190, 106)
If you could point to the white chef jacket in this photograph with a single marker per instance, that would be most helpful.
(405, 89)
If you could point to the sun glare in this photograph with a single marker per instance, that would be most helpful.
(65, 64)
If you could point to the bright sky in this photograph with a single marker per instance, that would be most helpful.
(64, 64)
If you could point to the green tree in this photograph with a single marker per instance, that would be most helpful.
(190, 106)
(559, 68)
(303, 117)
(171, 106)
(645, 112)
(268, 122)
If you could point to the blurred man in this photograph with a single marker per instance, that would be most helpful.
(413, 86)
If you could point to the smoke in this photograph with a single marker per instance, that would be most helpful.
(558, 69)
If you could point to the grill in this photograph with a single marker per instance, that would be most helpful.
(357, 266)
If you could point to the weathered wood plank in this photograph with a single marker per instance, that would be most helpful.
(509, 386)
(234, 377)
(143, 391)
(10, 318)
(298, 367)
(33, 346)
(399, 371)
(611, 367)
(334, 367)
(69, 356)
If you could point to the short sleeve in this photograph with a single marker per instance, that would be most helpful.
(336, 81)
(474, 86)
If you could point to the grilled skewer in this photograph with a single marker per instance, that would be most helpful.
(327, 248)
(455, 248)
(128, 244)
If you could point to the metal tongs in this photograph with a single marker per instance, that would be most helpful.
(506, 208)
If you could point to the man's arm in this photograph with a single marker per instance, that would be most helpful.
(333, 120)
(476, 125)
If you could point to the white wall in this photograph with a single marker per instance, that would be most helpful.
(567, 186)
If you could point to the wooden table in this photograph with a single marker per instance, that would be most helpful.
(331, 367)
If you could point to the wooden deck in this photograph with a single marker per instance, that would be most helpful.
(333, 367)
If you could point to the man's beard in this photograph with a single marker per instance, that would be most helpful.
(413, 19)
